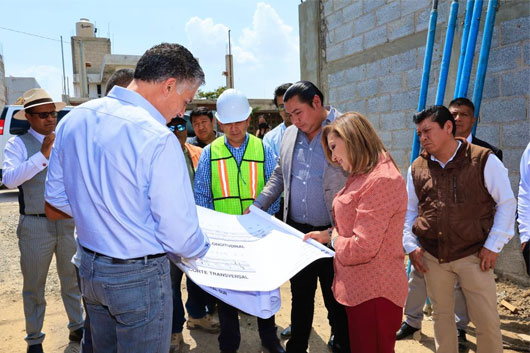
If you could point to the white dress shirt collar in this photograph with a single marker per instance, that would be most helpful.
(470, 138)
(134, 98)
(35, 134)
(433, 158)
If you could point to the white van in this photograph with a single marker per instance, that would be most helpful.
(10, 126)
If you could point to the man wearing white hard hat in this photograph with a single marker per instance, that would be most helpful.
(231, 172)
(25, 166)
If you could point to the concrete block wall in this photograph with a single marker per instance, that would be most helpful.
(94, 50)
(386, 91)
(373, 53)
(371, 61)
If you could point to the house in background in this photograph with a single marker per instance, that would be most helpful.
(16, 86)
(93, 63)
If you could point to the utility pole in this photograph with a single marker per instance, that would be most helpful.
(65, 96)
(229, 62)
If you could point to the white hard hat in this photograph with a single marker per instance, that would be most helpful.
(232, 107)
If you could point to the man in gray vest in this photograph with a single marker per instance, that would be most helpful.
(25, 166)
(309, 184)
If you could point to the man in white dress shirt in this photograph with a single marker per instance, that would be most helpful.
(463, 112)
(523, 206)
(25, 165)
(460, 214)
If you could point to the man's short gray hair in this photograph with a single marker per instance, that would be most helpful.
(168, 60)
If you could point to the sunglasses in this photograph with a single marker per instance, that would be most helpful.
(179, 127)
(44, 115)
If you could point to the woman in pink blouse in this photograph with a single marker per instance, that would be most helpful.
(369, 213)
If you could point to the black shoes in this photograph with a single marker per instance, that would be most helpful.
(462, 340)
(286, 334)
(405, 331)
(335, 346)
(273, 346)
(35, 348)
(76, 336)
(461, 336)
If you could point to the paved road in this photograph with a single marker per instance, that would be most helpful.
(8, 196)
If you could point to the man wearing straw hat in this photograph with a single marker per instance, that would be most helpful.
(25, 166)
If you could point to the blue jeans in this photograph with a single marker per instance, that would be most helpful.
(197, 305)
(127, 303)
(86, 342)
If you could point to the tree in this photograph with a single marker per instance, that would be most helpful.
(212, 94)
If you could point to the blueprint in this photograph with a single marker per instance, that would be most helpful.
(253, 252)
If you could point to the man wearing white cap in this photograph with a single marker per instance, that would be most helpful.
(25, 166)
(231, 172)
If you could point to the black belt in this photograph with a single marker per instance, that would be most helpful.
(306, 228)
(124, 261)
(35, 215)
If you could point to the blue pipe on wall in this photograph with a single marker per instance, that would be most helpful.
(470, 49)
(425, 75)
(446, 58)
(483, 58)
(463, 44)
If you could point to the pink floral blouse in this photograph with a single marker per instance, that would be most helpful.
(369, 214)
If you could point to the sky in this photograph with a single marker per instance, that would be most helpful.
(264, 34)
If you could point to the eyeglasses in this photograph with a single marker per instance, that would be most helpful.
(179, 127)
(281, 107)
(44, 115)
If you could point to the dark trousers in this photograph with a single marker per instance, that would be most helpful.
(526, 256)
(373, 325)
(199, 302)
(279, 214)
(303, 288)
(230, 336)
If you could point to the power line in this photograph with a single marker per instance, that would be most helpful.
(31, 34)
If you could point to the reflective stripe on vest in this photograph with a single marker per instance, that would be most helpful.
(223, 177)
(235, 188)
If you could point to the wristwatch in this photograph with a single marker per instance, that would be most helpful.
(332, 243)
(331, 240)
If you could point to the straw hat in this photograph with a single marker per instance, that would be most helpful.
(35, 97)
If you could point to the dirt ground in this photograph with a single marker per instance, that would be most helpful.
(12, 332)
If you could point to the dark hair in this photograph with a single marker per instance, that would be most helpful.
(457, 102)
(305, 91)
(176, 121)
(201, 111)
(280, 91)
(121, 77)
(437, 113)
(168, 60)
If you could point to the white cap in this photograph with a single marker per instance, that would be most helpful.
(232, 107)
